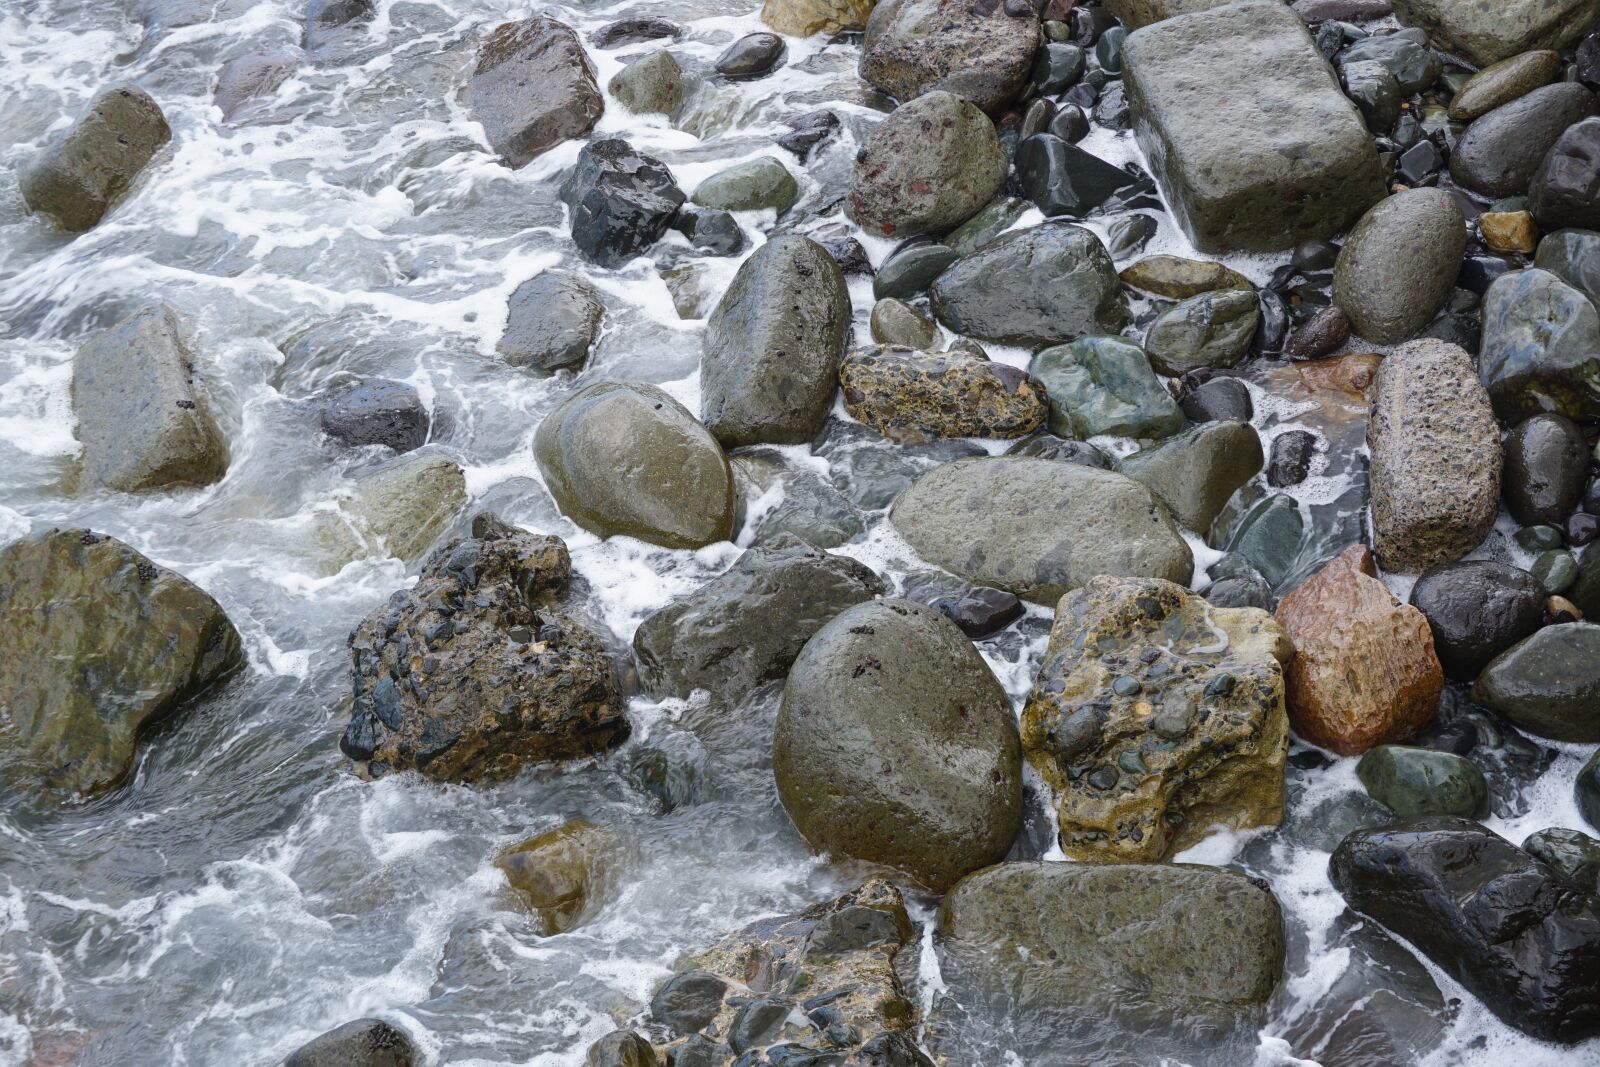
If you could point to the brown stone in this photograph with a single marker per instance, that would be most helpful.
(1509, 231)
(1364, 671)
(1351, 374)
(561, 874)
(533, 88)
(1178, 278)
(912, 397)
(802, 18)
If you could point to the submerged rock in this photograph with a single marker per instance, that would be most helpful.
(363, 1043)
(1541, 347)
(622, 201)
(246, 79)
(895, 744)
(101, 645)
(1156, 719)
(1548, 683)
(83, 175)
(802, 18)
(552, 322)
(1104, 385)
(533, 88)
(397, 510)
(561, 874)
(911, 396)
(777, 496)
(325, 17)
(466, 676)
(981, 52)
(1399, 264)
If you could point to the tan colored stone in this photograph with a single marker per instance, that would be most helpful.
(1509, 231)
(1179, 279)
(1364, 671)
(911, 397)
(561, 874)
(802, 18)
(1351, 374)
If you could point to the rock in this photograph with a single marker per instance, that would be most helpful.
(1158, 958)
(144, 416)
(101, 645)
(1572, 853)
(1156, 718)
(560, 874)
(807, 131)
(748, 625)
(1547, 683)
(634, 31)
(1342, 10)
(1508, 231)
(908, 271)
(981, 52)
(1585, 591)
(1056, 66)
(621, 1048)
(245, 79)
(533, 88)
(751, 186)
(325, 16)
(1292, 452)
(1046, 285)
(1375, 90)
(810, 507)
(1563, 191)
(1135, 14)
(1104, 385)
(755, 55)
(1491, 916)
(83, 174)
(1399, 264)
(1435, 467)
(895, 322)
(1342, 615)
(1476, 610)
(377, 412)
(771, 352)
(714, 232)
(927, 168)
(1500, 83)
(980, 612)
(1547, 463)
(689, 1001)
(1499, 153)
(398, 510)
(1239, 174)
(896, 745)
(1404, 54)
(911, 396)
(1217, 400)
(552, 321)
(1197, 472)
(623, 458)
(1038, 528)
(651, 84)
(622, 201)
(804, 18)
(1419, 781)
(1211, 330)
(1177, 278)
(1487, 32)
(1241, 593)
(363, 1043)
(1062, 179)
(1049, 446)
(1541, 347)
(982, 229)
(1586, 790)
(505, 682)
(1555, 569)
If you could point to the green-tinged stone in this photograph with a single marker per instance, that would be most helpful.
(1177, 278)
(1556, 570)
(1503, 82)
(1572, 852)
(987, 225)
(1541, 347)
(1420, 781)
(910, 271)
(1104, 385)
(895, 322)
(1548, 683)
(1212, 330)
(750, 186)
(1196, 472)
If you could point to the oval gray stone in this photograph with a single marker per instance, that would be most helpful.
(1399, 264)
(1498, 153)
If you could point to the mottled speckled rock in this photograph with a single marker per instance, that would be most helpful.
(1197, 472)
(912, 397)
(78, 178)
(1399, 264)
(895, 744)
(1156, 718)
(101, 644)
(927, 168)
(1436, 457)
(981, 52)
(1038, 527)
(1104, 385)
(363, 1043)
(1498, 154)
(533, 88)
(802, 18)
(1485, 31)
(652, 84)
(1257, 171)
(1343, 615)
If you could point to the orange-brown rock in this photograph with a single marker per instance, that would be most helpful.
(1364, 671)
(1349, 374)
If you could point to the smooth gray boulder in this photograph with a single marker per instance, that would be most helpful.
(1197, 472)
(980, 52)
(1399, 264)
(1037, 527)
(1256, 171)
(533, 88)
(1499, 153)
(78, 178)
(770, 356)
(1485, 31)
(552, 320)
(144, 419)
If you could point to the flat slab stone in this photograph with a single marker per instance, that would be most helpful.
(1487, 31)
(1259, 171)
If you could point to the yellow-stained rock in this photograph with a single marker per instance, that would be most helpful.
(802, 18)
(1509, 231)
(561, 874)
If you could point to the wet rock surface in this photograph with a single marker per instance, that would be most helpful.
(914, 396)
(1399, 264)
(377, 412)
(1547, 684)
(93, 166)
(363, 1043)
(1104, 385)
(1499, 153)
(1476, 610)
(1485, 32)
(621, 201)
(1195, 473)
(561, 875)
(982, 53)
(1540, 336)
(552, 322)
(533, 88)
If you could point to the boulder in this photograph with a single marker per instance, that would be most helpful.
(895, 322)
(624, 458)
(754, 185)
(981, 52)
(533, 88)
(1476, 610)
(746, 626)
(1156, 719)
(621, 1048)
(1436, 457)
(1197, 472)
(927, 168)
(621, 201)
(770, 356)
(363, 1043)
(1063, 179)
(1499, 153)
(397, 510)
(552, 321)
(1503, 924)
(1101, 960)
(468, 676)
(1564, 191)
(635, 31)
(325, 18)
(1573, 853)
(1547, 464)
(1177, 278)
(1045, 285)
(562, 874)
(1420, 781)
(101, 645)
(376, 411)
(1399, 264)
(144, 417)
(1485, 31)
(81, 176)
(1548, 683)
(1038, 527)
(1257, 171)
(911, 396)
(803, 18)
(1541, 347)
(1218, 399)
(755, 55)
(1136, 14)
(1500, 83)
(1104, 385)
(1212, 330)
(1364, 671)
(777, 496)
(245, 79)
(653, 84)
(895, 744)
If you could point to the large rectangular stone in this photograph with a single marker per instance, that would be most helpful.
(1136, 13)
(1243, 122)
(1487, 31)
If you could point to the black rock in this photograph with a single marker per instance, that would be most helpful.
(1315, 255)
(622, 201)
(323, 15)
(1375, 91)
(1547, 683)
(807, 131)
(981, 611)
(1062, 179)
(1321, 335)
(1582, 529)
(1055, 67)
(1218, 400)
(1476, 610)
(1291, 458)
(1511, 762)
(1497, 920)
(1088, 23)
(1404, 54)
(1049, 446)
(1274, 329)
(1036, 119)
(1420, 164)
(1479, 270)
(1070, 124)
(848, 253)
(1588, 60)
(710, 230)
(1573, 853)
(1546, 461)
(634, 31)
(377, 412)
(1591, 496)
(754, 55)
(1111, 110)
(1083, 95)
(1564, 192)
(363, 1043)
(1587, 790)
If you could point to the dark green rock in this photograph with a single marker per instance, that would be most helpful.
(1399, 264)
(1541, 347)
(1211, 330)
(908, 272)
(986, 225)
(1539, 538)
(750, 186)
(896, 745)
(1555, 569)
(1572, 852)
(1419, 781)
(1546, 465)
(1404, 54)
(78, 178)
(1547, 684)
(363, 1043)
(1502, 82)
(553, 321)
(1196, 472)
(1063, 179)
(1498, 154)
(1586, 791)
(1104, 385)
(1585, 590)
(1219, 399)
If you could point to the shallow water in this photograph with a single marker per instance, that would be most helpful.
(245, 893)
